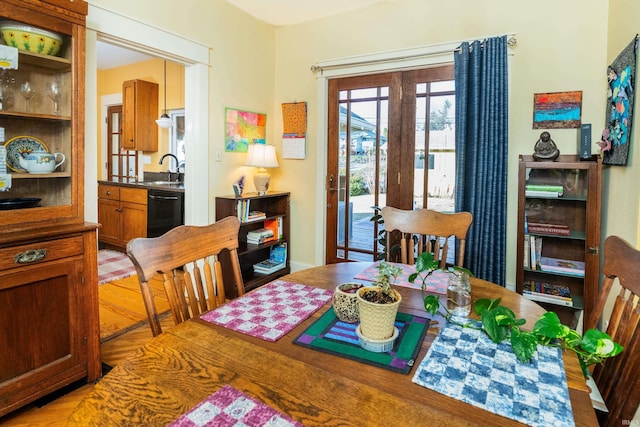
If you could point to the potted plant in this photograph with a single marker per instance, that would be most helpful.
(500, 323)
(378, 305)
(345, 304)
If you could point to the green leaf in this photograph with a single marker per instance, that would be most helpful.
(412, 277)
(431, 304)
(549, 326)
(524, 344)
(496, 332)
(600, 343)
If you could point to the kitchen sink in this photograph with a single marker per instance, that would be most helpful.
(169, 183)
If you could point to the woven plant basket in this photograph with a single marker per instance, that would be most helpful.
(376, 320)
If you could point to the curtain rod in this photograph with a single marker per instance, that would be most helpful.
(512, 42)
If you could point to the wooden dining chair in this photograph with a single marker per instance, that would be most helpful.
(426, 230)
(618, 378)
(188, 257)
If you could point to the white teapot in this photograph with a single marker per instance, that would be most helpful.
(40, 161)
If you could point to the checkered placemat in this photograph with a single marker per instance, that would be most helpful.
(436, 282)
(465, 364)
(271, 311)
(230, 407)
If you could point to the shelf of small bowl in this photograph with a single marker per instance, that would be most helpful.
(44, 61)
(377, 346)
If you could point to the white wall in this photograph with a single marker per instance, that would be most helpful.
(240, 72)
(555, 52)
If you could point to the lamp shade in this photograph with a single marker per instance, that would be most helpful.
(164, 121)
(262, 156)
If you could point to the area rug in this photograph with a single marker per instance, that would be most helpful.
(328, 334)
(113, 265)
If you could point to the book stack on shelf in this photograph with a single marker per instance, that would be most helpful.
(260, 236)
(542, 190)
(547, 292)
(276, 226)
(553, 229)
(246, 215)
(532, 251)
(565, 266)
(277, 260)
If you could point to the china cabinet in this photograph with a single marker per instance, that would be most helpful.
(272, 207)
(139, 113)
(49, 329)
(559, 234)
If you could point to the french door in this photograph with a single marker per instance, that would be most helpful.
(391, 141)
(121, 163)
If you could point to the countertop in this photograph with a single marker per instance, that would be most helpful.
(121, 182)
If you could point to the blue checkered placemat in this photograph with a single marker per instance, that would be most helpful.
(465, 364)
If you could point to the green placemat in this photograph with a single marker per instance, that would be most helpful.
(328, 334)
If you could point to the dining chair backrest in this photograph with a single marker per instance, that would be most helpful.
(618, 378)
(426, 230)
(188, 258)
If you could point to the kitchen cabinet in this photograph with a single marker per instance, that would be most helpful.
(139, 113)
(559, 234)
(275, 206)
(49, 328)
(122, 213)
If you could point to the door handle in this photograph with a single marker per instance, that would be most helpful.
(331, 184)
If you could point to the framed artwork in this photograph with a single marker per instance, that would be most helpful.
(616, 136)
(242, 128)
(557, 110)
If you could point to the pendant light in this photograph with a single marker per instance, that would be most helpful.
(165, 121)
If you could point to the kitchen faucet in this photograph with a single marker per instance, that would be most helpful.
(177, 172)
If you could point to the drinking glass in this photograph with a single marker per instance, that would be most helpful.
(459, 294)
(54, 91)
(27, 93)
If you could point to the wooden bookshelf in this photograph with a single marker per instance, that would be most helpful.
(275, 205)
(577, 210)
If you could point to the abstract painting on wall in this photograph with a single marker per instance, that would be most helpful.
(243, 128)
(616, 137)
(558, 110)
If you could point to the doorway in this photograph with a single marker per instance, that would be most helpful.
(129, 33)
(391, 141)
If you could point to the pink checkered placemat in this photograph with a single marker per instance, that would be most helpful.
(230, 407)
(436, 282)
(271, 311)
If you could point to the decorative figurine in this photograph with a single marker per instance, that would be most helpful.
(238, 186)
(545, 149)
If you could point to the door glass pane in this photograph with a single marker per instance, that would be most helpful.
(434, 165)
(362, 174)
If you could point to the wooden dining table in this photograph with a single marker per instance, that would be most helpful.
(185, 364)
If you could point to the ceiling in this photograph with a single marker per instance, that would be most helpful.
(274, 12)
(290, 12)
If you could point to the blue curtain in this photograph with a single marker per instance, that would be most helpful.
(481, 153)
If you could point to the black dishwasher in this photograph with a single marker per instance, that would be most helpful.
(165, 210)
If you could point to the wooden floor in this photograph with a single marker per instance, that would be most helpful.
(123, 329)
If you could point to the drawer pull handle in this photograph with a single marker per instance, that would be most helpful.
(32, 255)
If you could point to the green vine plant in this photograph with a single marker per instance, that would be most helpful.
(500, 323)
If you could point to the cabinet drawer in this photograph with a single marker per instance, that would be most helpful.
(35, 253)
(111, 192)
(133, 195)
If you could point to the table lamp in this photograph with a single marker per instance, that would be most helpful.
(262, 156)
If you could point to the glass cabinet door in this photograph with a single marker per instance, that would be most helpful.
(558, 234)
(37, 118)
